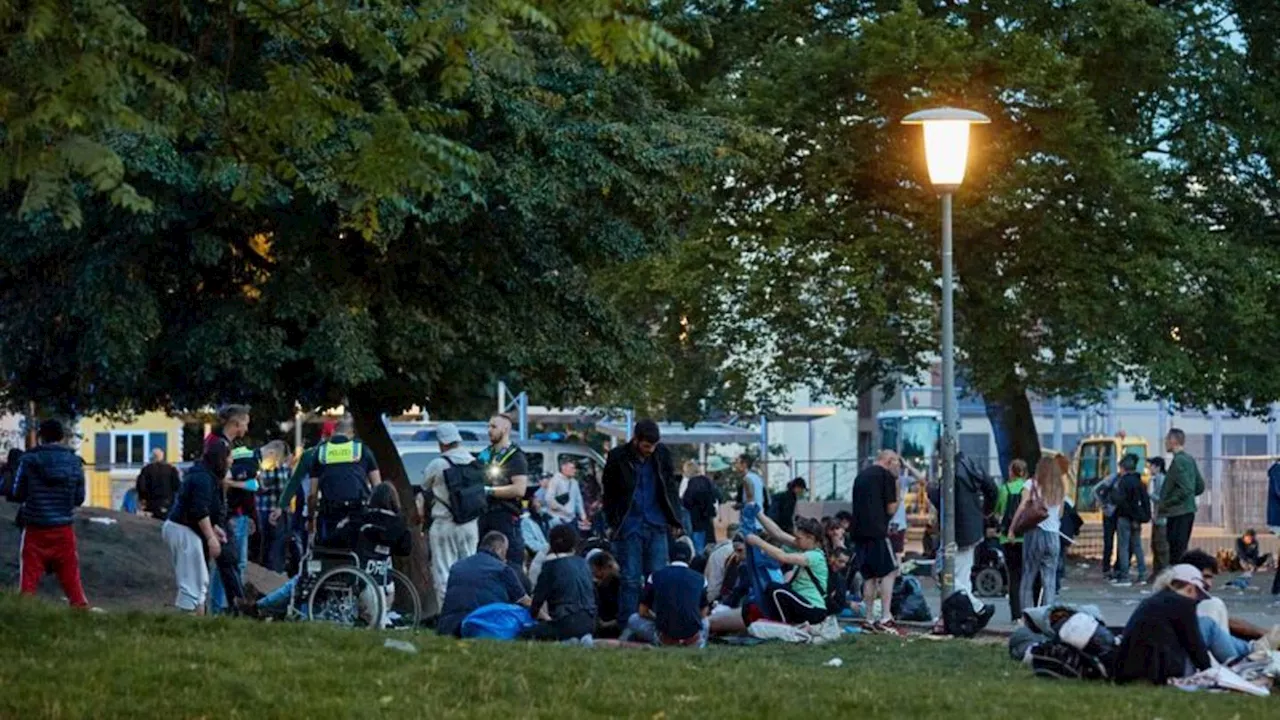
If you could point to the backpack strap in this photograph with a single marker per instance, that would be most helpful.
(814, 579)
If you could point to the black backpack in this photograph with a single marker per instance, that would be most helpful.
(959, 618)
(1058, 661)
(465, 487)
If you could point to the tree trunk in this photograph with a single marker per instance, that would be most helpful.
(367, 414)
(1014, 428)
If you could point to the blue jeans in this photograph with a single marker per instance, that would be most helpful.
(1108, 543)
(1130, 543)
(640, 554)
(646, 630)
(273, 539)
(1040, 552)
(1222, 644)
(237, 535)
(699, 541)
(278, 599)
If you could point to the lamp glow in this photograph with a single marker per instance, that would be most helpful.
(946, 142)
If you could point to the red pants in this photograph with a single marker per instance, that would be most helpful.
(52, 550)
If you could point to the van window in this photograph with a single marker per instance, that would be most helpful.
(535, 468)
(415, 466)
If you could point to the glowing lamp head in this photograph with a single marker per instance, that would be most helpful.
(946, 142)
(495, 472)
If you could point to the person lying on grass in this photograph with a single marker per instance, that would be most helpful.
(803, 598)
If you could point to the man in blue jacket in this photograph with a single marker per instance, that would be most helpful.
(1273, 513)
(50, 486)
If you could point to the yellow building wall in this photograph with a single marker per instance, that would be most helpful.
(103, 484)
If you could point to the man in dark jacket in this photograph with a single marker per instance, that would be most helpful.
(641, 501)
(1133, 509)
(976, 495)
(783, 508)
(157, 484)
(50, 486)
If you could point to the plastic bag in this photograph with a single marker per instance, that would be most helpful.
(499, 621)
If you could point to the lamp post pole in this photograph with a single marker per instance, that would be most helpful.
(946, 142)
(948, 405)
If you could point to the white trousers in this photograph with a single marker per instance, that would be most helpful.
(964, 574)
(449, 543)
(189, 566)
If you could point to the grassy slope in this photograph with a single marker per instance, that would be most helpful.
(56, 663)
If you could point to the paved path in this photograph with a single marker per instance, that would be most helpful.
(1085, 586)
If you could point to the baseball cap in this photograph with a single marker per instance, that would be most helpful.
(447, 434)
(1190, 575)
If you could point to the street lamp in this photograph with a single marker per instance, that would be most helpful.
(946, 149)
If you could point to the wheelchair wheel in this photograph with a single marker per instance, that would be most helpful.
(346, 596)
(405, 609)
(988, 582)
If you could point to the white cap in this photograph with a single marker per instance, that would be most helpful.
(1188, 574)
(447, 434)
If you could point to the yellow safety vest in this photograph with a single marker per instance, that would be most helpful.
(340, 453)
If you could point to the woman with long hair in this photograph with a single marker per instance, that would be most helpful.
(1040, 545)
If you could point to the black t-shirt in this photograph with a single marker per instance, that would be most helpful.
(873, 490)
(510, 462)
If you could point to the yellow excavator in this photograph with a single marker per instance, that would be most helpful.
(1098, 457)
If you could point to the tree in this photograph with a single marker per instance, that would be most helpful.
(330, 216)
(821, 269)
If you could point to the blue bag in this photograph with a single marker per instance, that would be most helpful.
(498, 621)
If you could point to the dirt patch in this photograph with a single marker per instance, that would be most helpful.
(124, 565)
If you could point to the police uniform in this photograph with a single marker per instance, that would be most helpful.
(504, 515)
(341, 469)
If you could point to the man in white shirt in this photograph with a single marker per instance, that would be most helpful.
(449, 541)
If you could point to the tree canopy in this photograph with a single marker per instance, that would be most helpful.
(1092, 224)
(394, 205)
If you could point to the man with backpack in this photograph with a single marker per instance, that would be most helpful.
(454, 484)
(1133, 510)
(1182, 485)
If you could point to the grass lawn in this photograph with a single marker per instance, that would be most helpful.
(58, 663)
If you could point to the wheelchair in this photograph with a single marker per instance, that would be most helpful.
(354, 588)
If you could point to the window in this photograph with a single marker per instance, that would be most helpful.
(129, 448)
(1244, 445)
(1069, 442)
(977, 446)
(588, 469)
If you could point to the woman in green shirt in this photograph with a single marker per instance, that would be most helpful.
(803, 598)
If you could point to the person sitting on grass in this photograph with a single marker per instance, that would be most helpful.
(607, 577)
(838, 587)
(1162, 640)
(1226, 637)
(565, 594)
(482, 579)
(673, 605)
(803, 599)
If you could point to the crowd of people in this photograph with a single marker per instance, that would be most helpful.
(638, 559)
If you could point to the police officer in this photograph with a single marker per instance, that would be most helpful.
(507, 470)
(343, 475)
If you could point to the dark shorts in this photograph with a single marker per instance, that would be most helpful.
(874, 559)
